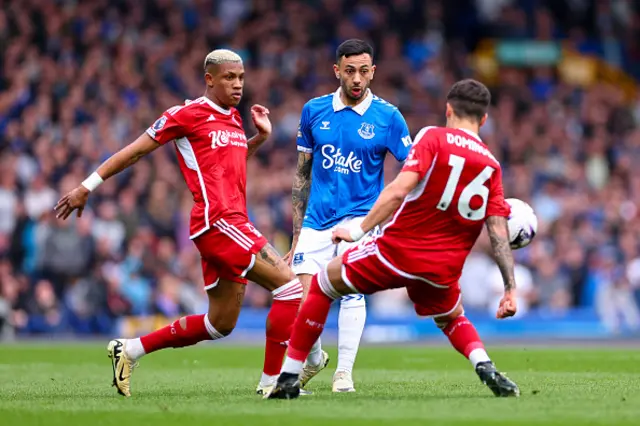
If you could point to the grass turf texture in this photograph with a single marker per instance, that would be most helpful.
(70, 385)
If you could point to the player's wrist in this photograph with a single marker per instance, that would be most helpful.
(93, 181)
(263, 135)
(355, 231)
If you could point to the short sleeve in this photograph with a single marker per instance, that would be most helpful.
(304, 139)
(497, 206)
(422, 153)
(399, 140)
(167, 128)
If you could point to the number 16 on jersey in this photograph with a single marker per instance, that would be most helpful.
(475, 187)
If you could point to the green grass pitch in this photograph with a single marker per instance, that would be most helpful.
(69, 385)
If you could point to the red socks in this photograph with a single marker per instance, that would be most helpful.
(463, 336)
(192, 329)
(310, 322)
(186, 331)
(286, 303)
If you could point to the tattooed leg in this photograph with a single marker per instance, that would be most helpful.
(270, 270)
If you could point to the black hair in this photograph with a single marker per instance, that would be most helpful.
(353, 47)
(469, 99)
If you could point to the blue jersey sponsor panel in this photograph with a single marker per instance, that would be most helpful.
(349, 145)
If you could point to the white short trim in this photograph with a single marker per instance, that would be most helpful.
(253, 262)
(237, 232)
(200, 232)
(305, 149)
(226, 232)
(345, 279)
(213, 285)
(446, 313)
(234, 233)
(361, 253)
(406, 274)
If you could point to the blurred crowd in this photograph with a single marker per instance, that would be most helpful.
(80, 79)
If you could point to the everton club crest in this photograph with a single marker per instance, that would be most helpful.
(366, 131)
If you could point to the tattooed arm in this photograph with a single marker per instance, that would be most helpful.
(300, 196)
(499, 236)
(300, 191)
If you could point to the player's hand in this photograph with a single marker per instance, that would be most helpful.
(508, 305)
(341, 234)
(260, 116)
(74, 200)
(288, 258)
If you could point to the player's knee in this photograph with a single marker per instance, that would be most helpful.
(225, 328)
(290, 275)
(444, 320)
(182, 323)
(441, 323)
(222, 325)
(283, 278)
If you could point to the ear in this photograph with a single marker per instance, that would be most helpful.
(449, 111)
(373, 71)
(483, 120)
(336, 71)
(208, 78)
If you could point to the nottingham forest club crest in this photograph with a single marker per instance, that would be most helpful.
(366, 131)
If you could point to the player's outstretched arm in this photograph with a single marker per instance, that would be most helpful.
(127, 156)
(300, 196)
(260, 117)
(388, 201)
(499, 236)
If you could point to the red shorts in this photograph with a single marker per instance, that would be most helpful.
(366, 271)
(228, 250)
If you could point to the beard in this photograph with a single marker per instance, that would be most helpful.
(352, 97)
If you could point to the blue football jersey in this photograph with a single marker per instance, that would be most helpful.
(349, 146)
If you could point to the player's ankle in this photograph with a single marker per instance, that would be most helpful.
(315, 358)
(134, 349)
(268, 380)
(292, 366)
(478, 356)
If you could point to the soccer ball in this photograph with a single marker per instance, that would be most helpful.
(523, 224)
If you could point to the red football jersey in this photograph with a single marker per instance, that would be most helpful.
(212, 153)
(438, 223)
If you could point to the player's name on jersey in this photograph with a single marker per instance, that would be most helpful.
(470, 144)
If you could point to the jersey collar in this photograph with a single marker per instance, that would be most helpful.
(216, 106)
(361, 108)
(470, 133)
